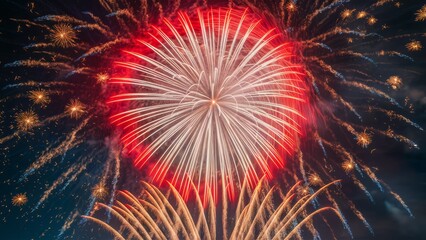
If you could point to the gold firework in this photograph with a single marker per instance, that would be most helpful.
(75, 108)
(63, 35)
(19, 199)
(346, 13)
(395, 82)
(348, 166)
(414, 46)
(99, 191)
(363, 139)
(26, 120)
(39, 97)
(421, 14)
(361, 14)
(102, 77)
(372, 20)
(314, 179)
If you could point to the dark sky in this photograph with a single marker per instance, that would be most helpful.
(403, 169)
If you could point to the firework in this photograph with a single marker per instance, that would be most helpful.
(100, 191)
(102, 77)
(364, 139)
(372, 20)
(160, 217)
(395, 82)
(63, 35)
(26, 120)
(346, 13)
(228, 103)
(75, 108)
(421, 14)
(414, 46)
(19, 199)
(39, 97)
(73, 64)
(361, 14)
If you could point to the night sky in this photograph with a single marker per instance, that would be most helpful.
(401, 167)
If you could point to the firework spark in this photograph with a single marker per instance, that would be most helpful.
(26, 120)
(363, 139)
(39, 97)
(421, 14)
(19, 199)
(102, 77)
(100, 191)
(75, 108)
(395, 82)
(414, 46)
(63, 35)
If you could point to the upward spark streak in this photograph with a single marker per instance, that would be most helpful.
(158, 216)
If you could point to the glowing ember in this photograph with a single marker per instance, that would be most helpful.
(19, 199)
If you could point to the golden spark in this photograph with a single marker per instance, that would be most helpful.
(363, 139)
(361, 14)
(19, 199)
(63, 35)
(102, 77)
(414, 46)
(75, 108)
(39, 97)
(395, 82)
(346, 13)
(26, 120)
(421, 14)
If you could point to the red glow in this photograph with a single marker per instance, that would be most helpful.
(294, 97)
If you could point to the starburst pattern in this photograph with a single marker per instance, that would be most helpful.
(26, 120)
(63, 35)
(421, 14)
(414, 46)
(19, 199)
(222, 99)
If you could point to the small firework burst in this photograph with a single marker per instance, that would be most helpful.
(99, 191)
(75, 108)
(348, 166)
(63, 35)
(26, 120)
(421, 14)
(395, 82)
(346, 13)
(414, 46)
(102, 77)
(291, 7)
(314, 179)
(39, 97)
(363, 139)
(19, 199)
(303, 190)
(372, 20)
(361, 14)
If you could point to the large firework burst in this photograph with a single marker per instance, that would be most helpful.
(221, 96)
(60, 83)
